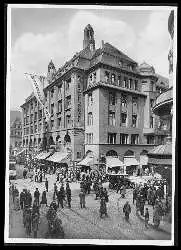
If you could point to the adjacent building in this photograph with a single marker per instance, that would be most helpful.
(100, 102)
(15, 135)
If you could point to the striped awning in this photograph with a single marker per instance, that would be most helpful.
(39, 155)
(59, 157)
(130, 161)
(159, 161)
(44, 156)
(143, 160)
(112, 162)
(87, 161)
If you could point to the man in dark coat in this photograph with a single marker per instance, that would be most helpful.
(44, 199)
(103, 207)
(46, 184)
(28, 221)
(37, 195)
(55, 191)
(24, 173)
(82, 198)
(22, 199)
(61, 196)
(127, 210)
(68, 193)
(29, 198)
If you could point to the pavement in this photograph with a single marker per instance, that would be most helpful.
(164, 226)
(86, 223)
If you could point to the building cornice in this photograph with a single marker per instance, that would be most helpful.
(101, 84)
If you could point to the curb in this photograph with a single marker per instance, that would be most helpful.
(152, 225)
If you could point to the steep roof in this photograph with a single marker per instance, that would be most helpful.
(108, 48)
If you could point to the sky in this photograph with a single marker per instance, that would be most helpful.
(40, 34)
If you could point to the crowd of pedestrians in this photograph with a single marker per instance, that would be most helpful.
(90, 181)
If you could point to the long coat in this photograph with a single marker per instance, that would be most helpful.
(35, 223)
(103, 207)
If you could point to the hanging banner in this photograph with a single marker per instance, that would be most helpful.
(38, 85)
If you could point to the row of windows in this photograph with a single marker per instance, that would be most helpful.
(112, 138)
(16, 133)
(124, 100)
(123, 138)
(124, 82)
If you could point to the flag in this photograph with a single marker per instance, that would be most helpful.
(38, 85)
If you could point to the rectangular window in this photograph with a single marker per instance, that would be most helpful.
(111, 118)
(123, 119)
(119, 80)
(112, 98)
(35, 116)
(52, 108)
(123, 138)
(134, 121)
(31, 130)
(59, 90)
(111, 138)
(136, 85)
(135, 139)
(106, 76)
(151, 103)
(52, 124)
(123, 101)
(126, 83)
(68, 101)
(78, 155)
(52, 93)
(113, 78)
(130, 83)
(89, 137)
(59, 121)
(68, 117)
(151, 121)
(90, 99)
(135, 105)
(150, 139)
(59, 106)
(35, 128)
(40, 114)
(31, 118)
(90, 119)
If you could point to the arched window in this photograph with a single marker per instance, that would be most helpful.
(129, 153)
(144, 152)
(51, 141)
(112, 153)
(67, 138)
(89, 152)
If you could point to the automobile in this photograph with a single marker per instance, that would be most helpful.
(12, 170)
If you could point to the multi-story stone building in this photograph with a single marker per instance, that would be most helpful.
(100, 101)
(15, 135)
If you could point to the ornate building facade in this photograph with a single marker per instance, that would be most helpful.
(15, 135)
(100, 100)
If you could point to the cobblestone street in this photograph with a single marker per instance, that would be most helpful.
(86, 223)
